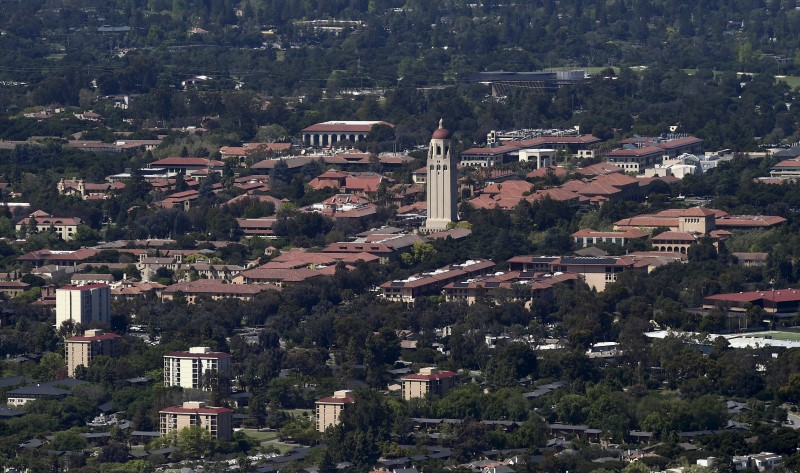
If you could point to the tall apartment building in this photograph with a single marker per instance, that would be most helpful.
(428, 380)
(216, 420)
(329, 409)
(80, 351)
(186, 369)
(83, 304)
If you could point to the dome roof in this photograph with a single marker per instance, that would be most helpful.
(441, 133)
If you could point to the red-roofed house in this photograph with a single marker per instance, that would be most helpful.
(217, 421)
(428, 380)
(329, 409)
(65, 227)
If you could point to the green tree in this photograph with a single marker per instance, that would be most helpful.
(195, 442)
(68, 441)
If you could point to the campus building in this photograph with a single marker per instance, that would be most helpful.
(335, 132)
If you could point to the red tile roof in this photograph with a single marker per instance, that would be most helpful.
(217, 287)
(96, 338)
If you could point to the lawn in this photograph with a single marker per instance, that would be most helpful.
(260, 435)
(777, 335)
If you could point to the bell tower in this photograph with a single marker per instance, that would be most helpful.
(442, 186)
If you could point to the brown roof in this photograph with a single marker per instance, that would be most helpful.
(218, 287)
(180, 161)
(675, 236)
(749, 221)
(278, 274)
(95, 338)
(344, 127)
(292, 163)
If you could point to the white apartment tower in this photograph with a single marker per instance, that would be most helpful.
(186, 369)
(83, 304)
(442, 185)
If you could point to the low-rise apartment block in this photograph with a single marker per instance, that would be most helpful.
(215, 420)
(329, 409)
(428, 380)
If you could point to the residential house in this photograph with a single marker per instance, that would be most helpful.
(11, 289)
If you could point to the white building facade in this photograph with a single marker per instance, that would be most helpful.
(188, 369)
(83, 304)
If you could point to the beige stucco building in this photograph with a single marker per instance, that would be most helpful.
(216, 420)
(329, 409)
(65, 227)
(80, 351)
(428, 380)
